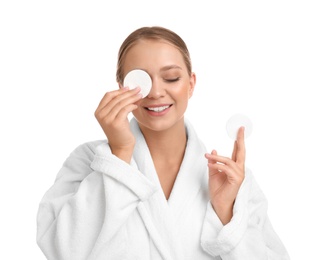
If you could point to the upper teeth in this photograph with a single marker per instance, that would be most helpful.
(158, 109)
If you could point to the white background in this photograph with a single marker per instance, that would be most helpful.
(260, 58)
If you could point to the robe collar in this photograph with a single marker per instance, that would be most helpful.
(190, 179)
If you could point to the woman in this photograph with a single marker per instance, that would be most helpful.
(151, 191)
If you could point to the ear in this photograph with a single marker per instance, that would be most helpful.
(193, 80)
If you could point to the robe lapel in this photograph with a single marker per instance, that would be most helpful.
(166, 214)
(154, 211)
(143, 159)
(192, 174)
(190, 178)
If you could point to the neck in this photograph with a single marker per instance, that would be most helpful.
(169, 144)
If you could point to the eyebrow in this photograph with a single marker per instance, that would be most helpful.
(170, 67)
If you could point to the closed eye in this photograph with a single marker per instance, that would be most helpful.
(172, 80)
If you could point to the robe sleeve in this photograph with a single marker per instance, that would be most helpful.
(91, 198)
(249, 234)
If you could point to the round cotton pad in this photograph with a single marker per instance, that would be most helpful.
(138, 78)
(235, 122)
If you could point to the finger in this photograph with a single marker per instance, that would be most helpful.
(223, 164)
(222, 168)
(113, 97)
(122, 104)
(234, 151)
(240, 147)
(214, 152)
(220, 159)
(109, 96)
(118, 102)
(124, 112)
(207, 155)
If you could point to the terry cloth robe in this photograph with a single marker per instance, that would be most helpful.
(103, 208)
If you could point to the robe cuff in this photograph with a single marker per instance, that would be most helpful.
(126, 174)
(219, 240)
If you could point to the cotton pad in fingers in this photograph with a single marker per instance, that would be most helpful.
(235, 122)
(138, 78)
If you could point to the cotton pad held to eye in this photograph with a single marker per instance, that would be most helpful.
(235, 122)
(138, 78)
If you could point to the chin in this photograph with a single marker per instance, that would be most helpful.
(159, 125)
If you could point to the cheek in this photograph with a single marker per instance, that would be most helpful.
(182, 91)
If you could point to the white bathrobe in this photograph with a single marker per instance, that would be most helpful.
(100, 207)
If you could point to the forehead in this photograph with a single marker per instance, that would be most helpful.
(152, 53)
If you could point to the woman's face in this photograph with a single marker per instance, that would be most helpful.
(172, 86)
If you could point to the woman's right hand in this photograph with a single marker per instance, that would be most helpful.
(112, 115)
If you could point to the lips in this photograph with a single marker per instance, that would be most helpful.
(158, 109)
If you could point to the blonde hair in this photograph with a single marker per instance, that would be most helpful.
(152, 33)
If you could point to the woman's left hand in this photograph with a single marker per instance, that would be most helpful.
(225, 178)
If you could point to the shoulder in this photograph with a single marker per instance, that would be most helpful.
(91, 146)
(80, 159)
(87, 149)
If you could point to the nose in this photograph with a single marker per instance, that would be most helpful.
(157, 89)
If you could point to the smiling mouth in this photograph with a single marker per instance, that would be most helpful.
(158, 109)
